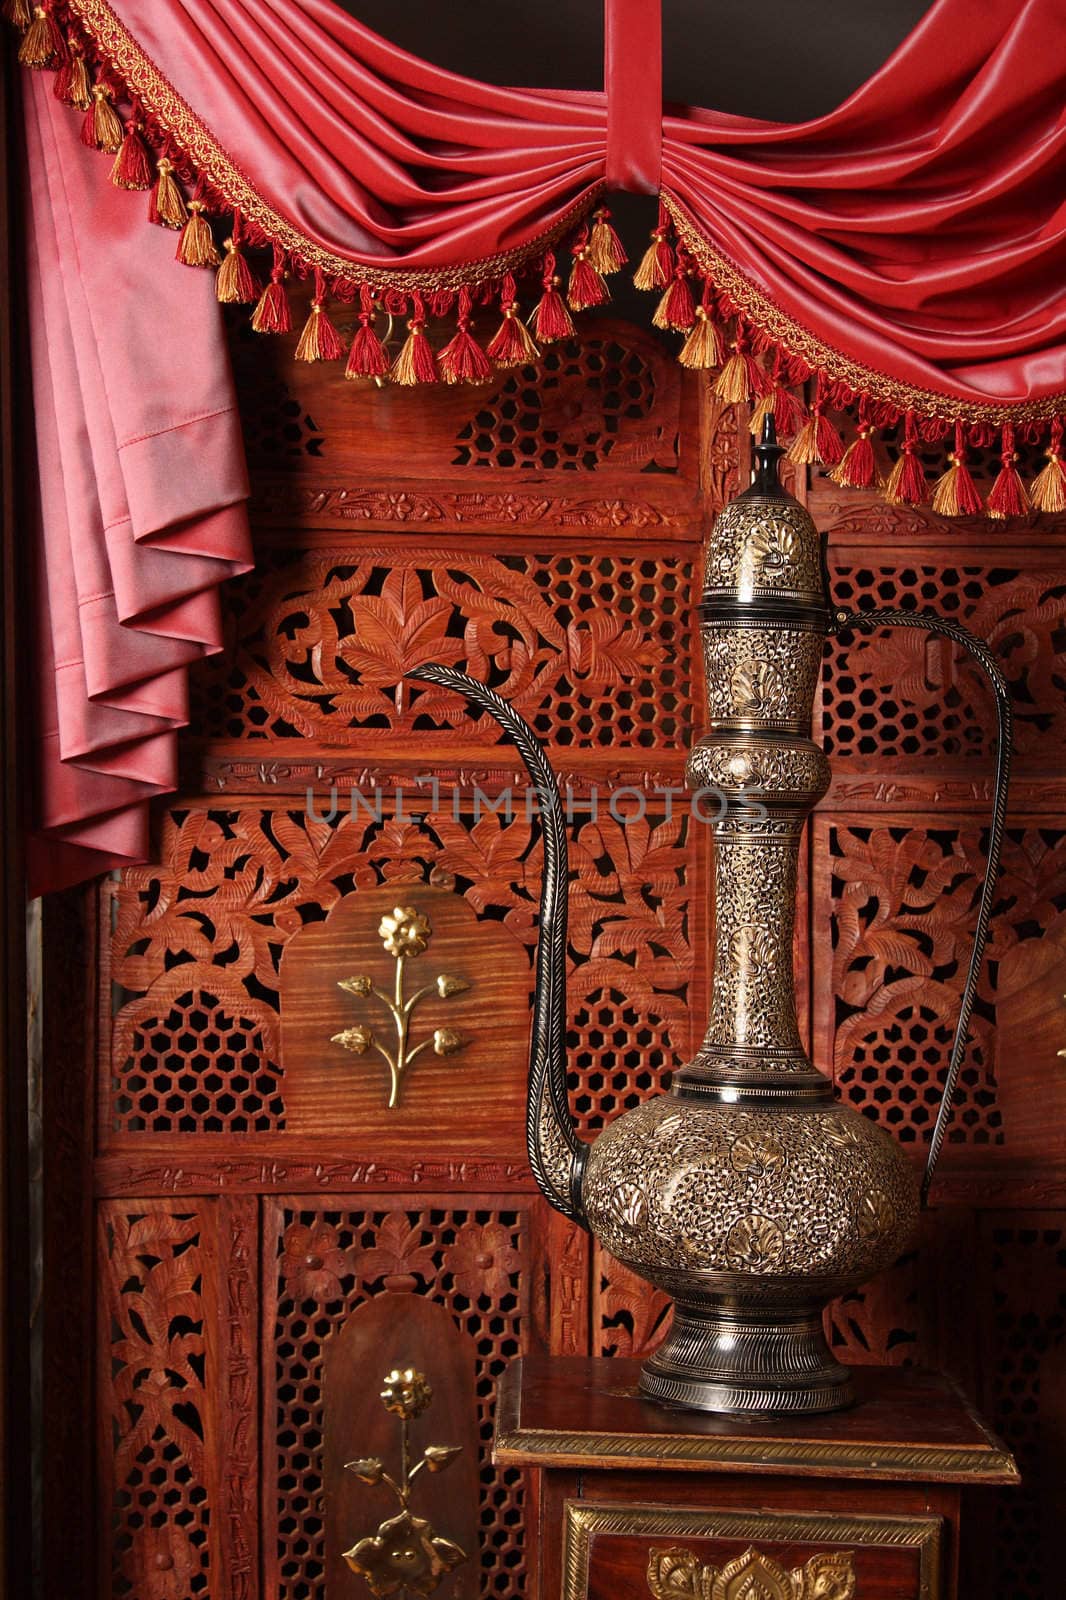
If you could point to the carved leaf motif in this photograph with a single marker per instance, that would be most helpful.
(397, 1253)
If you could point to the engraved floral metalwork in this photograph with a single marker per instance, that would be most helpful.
(406, 1556)
(675, 1573)
(405, 934)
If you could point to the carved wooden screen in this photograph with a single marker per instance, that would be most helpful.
(253, 1191)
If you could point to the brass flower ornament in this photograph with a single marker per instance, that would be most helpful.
(405, 934)
(406, 1556)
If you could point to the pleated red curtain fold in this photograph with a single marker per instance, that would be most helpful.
(903, 255)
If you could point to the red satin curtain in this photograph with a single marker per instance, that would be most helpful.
(906, 251)
(918, 229)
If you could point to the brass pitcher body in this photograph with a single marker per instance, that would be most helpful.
(748, 1192)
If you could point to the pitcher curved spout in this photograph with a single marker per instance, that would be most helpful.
(556, 1154)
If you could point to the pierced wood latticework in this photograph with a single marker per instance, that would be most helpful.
(544, 534)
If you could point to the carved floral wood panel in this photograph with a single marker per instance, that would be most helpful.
(321, 1261)
(583, 645)
(896, 904)
(197, 942)
(896, 695)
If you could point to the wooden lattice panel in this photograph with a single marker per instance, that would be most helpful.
(231, 886)
(897, 694)
(897, 904)
(584, 646)
(474, 1259)
(157, 1407)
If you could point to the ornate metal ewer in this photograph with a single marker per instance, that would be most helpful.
(748, 1192)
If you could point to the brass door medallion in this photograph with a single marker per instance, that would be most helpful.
(675, 1573)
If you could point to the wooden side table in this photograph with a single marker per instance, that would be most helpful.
(631, 1500)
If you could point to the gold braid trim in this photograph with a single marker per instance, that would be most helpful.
(159, 97)
(797, 340)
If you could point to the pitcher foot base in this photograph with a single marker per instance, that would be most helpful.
(747, 1362)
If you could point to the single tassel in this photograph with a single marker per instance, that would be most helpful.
(785, 409)
(551, 320)
(196, 246)
(366, 358)
(1048, 492)
(676, 309)
(272, 314)
(42, 44)
(605, 247)
(462, 360)
(857, 468)
(102, 129)
(703, 347)
(586, 288)
(235, 282)
(817, 440)
(1007, 497)
(742, 378)
(132, 168)
(167, 206)
(657, 263)
(17, 12)
(415, 362)
(71, 83)
(319, 340)
(512, 345)
(906, 485)
(954, 493)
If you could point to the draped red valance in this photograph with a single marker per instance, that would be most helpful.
(902, 256)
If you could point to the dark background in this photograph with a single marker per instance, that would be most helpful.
(788, 60)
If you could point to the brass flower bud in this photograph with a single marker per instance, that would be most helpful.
(438, 1456)
(406, 1392)
(447, 985)
(370, 1469)
(404, 931)
(360, 984)
(446, 1041)
(358, 1039)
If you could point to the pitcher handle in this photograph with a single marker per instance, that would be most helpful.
(929, 622)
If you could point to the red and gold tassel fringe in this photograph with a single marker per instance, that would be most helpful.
(954, 493)
(319, 340)
(71, 83)
(17, 12)
(101, 129)
(1007, 497)
(462, 360)
(272, 314)
(605, 247)
(196, 246)
(416, 362)
(703, 347)
(132, 168)
(366, 358)
(586, 288)
(817, 440)
(905, 485)
(550, 319)
(512, 345)
(167, 206)
(657, 263)
(1048, 492)
(42, 44)
(235, 282)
